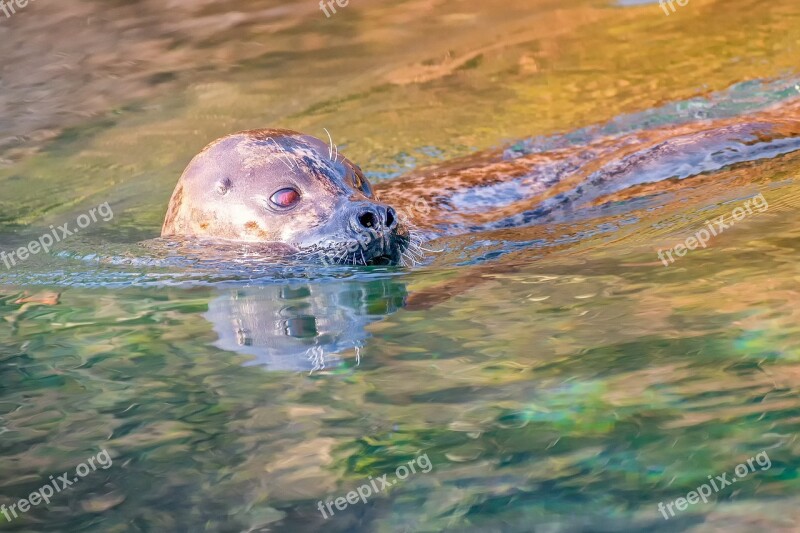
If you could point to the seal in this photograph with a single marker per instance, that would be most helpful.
(289, 190)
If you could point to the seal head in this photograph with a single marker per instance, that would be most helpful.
(279, 186)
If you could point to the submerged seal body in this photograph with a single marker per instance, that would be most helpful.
(282, 187)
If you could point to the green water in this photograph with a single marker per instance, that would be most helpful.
(558, 377)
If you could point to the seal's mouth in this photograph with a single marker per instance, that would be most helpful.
(382, 260)
(367, 249)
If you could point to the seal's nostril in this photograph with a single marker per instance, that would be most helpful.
(390, 217)
(368, 219)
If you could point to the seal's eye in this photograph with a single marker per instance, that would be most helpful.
(362, 185)
(285, 198)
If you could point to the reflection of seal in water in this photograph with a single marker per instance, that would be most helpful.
(301, 326)
(282, 187)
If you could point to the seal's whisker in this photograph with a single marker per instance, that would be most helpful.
(417, 246)
(330, 146)
(415, 255)
(415, 241)
(415, 236)
(413, 248)
(283, 154)
(430, 250)
(413, 262)
(333, 150)
(413, 244)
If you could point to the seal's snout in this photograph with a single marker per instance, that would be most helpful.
(377, 231)
(375, 217)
